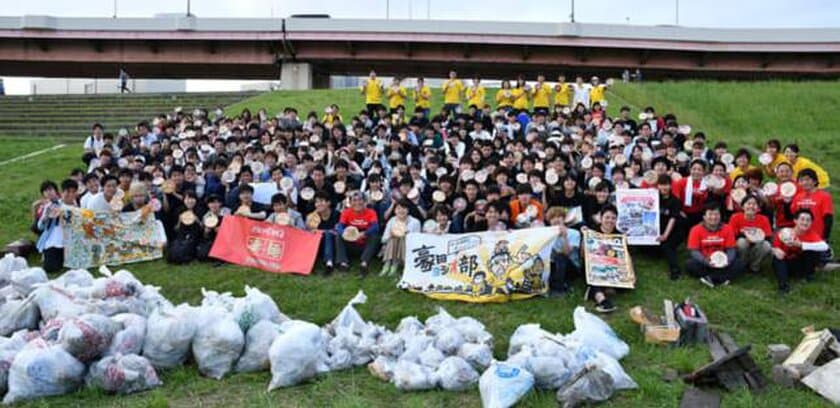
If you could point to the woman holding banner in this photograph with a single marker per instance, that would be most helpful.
(598, 294)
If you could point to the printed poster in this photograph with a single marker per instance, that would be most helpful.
(93, 238)
(607, 260)
(638, 215)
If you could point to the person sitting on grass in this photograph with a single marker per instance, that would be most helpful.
(393, 238)
(326, 218)
(565, 253)
(247, 206)
(364, 236)
(598, 294)
(797, 250)
(282, 214)
(753, 233)
(187, 231)
(705, 241)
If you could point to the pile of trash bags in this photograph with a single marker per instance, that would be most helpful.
(115, 333)
(582, 367)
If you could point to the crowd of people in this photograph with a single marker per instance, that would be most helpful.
(533, 154)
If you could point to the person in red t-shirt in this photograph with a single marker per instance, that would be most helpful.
(743, 225)
(692, 193)
(705, 239)
(799, 253)
(781, 217)
(365, 221)
(817, 201)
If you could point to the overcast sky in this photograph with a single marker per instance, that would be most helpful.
(696, 13)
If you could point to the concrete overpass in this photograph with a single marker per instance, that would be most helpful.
(304, 51)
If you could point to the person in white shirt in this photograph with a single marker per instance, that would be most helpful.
(479, 133)
(95, 142)
(581, 92)
(101, 202)
(91, 182)
(393, 239)
(51, 242)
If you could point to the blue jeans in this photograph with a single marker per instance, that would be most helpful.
(328, 247)
(562, 270)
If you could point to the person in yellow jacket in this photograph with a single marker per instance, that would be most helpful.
(475, 94)
(453, 88)
(396, 95)
(331, 115)
(541, 94)
(520, 95)
(504, 96)
(596, 94)
(773, 150)
(800, 163)
(562, 92)
(372, 89)
(422, 96)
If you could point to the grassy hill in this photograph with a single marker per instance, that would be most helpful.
(750, 309)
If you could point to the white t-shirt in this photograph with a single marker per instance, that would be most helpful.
(581, 94)
(98, 203)
(91, 143)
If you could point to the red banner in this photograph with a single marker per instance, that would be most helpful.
(270, 247)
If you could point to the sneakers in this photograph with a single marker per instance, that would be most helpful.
(606, 306)
(328, 268)
(363, 269)
(344, 266)
(386, 269)
(707, 281)
(395, 270)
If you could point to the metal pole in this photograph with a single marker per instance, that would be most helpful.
(428, 9)
(573, 11)
(387, 9)
(188, 8)
(677, 13)
(115, 8)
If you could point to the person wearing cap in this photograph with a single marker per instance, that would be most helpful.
(817, 201)
(393, 252)
(565, 253)
(801, 163)
(422, 96)
(476, 93)
(504, 97)
(745, 223)
(453, 88)
(51, 240)
(707, 238)
(372, 89)
(280, 205)
(366, 244)
(798, 253)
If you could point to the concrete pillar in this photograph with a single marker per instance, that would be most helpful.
(296, 75)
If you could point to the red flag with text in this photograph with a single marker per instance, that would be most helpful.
(270, 247)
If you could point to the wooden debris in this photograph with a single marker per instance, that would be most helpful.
(789, 376)
(824, 381)
(696, 398)
(660, 330)
(810, 348)
(778, 352)
(732, 366)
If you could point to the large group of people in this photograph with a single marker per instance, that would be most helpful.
(535, 154)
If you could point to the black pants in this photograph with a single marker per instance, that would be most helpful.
(373, 108)
(53, 259)
(562, 271)
(668, 248)
(366, 250)
(804, 265)
(718, 275)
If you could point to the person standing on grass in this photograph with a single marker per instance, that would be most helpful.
(707, 238)
(453, 88)
(475, 94)
(123, 77)
(541, 94)
(562, 93)
(396, 96)
(51, 242)
(799, 253)
(366, 242)
(743, 224)
(372, 89)
(423, 97)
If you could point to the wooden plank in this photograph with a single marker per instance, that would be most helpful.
(809, 348)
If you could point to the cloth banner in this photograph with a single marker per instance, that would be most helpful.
(638, 215)
(264, 191)
(607, 260)
(494, 266)
(93, 238)
(270, 247)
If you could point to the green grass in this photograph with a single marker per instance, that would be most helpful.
(749, 309)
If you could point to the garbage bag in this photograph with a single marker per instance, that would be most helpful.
(349, 318)
(87, 337)
(383, 368)
(439, 321)
(472, 330)
(42, 370)
(549, 373)
(449, 340)
(123, 374)
(596, 333)
(75, 277)
(218, 342)
(129, 339)
(10, 263)
(54, 301)
(169, 332)
(18, 314)
(503, 384)
(478, 355)
(456, 374)
(414, 345)
(594, 385)
(409, 376)
(257, 342)
(389, 344)
(431, 357)
(525, 335)
(150, 299)
(256, 306)
(212, 298)
(25, 280)
(9, 348)
(409, 325)
(296, 354)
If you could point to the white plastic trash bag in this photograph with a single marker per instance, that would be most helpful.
(449, 340)
(256, 306)
(25, 280)
(87, 337)
(129, 339)
(218, 342)
(55, 302)
(431, 357)
(8, 264)
(257, 342)
(169, 333)
(594, 332)
(123, 374)
(472, 330)
(456, 374)
(502, 385)
(9, 348)
(18, 314)
(409, 376)
(383, 368)
(296, 355)
(439, 321)
(75, 277)
(42, 370)
(591, 385)
(349, 318)
(478, 355)
(549, 373)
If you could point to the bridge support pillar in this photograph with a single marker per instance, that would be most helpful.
(296, 75)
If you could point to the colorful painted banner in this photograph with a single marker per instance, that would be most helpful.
(270, 247)
(480, 267)
(93, 238)
(638, 215)
(607, 260)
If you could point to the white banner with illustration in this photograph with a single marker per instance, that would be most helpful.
(493, 266)
(638, 215)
